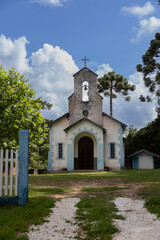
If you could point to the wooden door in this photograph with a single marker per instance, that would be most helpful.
(85, 153)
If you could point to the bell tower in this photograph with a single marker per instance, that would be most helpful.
(85, 102)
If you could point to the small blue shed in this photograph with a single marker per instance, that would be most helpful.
(143, 159)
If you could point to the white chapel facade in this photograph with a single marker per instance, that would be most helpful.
(86, 138)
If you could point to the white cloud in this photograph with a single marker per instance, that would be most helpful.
(103, 69)
(138, 11)
(50, 2)
(147, 27)
(13, 53)
(136, 112)
(133, 112)
(50, 72)
(51, 75)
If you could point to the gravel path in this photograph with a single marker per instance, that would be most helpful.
(139, 223)
(60, 225)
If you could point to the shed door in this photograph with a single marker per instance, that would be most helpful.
(135, 163)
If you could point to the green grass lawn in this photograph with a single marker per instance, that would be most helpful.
(15, 220)
(95, 209)
(95, 213)
(125, 176)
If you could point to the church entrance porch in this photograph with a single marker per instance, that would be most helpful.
(85, 146)
(85, 158)
(85, 152)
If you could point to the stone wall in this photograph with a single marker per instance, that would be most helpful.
(77, 106)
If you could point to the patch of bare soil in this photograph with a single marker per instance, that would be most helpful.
(130, 190)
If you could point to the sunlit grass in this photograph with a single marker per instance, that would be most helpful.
(95, 203)
(124, 175)
(15, 220)
(40, 192)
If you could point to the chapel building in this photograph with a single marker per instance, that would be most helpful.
(86, 138)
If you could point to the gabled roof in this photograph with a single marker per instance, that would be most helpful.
(84, 119)
(56, 120)
(70, 95)
(106, 115)
(141, 151)
(83, 69)
(100, 95)
(67, 115)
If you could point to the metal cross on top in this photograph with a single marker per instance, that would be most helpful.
(85, 60)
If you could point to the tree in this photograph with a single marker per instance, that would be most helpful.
(19, 109)
(151, 71)
(45, 104)
(113, 83)
(39, 158)
(147, 138)
(131, 133)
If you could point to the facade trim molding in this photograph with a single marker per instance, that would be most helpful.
(70, 149)
(121, 146)
(51, 148)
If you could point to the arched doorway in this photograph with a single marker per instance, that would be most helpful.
(85, 153)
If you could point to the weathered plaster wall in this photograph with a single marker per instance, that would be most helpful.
(113, 135)
(58, 135)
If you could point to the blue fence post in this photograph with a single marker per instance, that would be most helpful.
(23, 167)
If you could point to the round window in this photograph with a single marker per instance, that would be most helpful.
(85, 113)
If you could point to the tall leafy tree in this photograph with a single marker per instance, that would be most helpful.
(19, 109)
(112, 84)
(151, 71)
(45, 104)
(147, 138)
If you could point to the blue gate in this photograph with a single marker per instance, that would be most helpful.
(22, 197)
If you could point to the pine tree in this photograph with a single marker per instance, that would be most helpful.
(113, 83)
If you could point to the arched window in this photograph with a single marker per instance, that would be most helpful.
(85, 91)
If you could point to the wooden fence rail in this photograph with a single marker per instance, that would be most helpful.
(8, 173)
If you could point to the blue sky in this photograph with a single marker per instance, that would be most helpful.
(46, 40)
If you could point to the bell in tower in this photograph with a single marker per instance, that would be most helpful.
(85, 102)
(85, 91)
